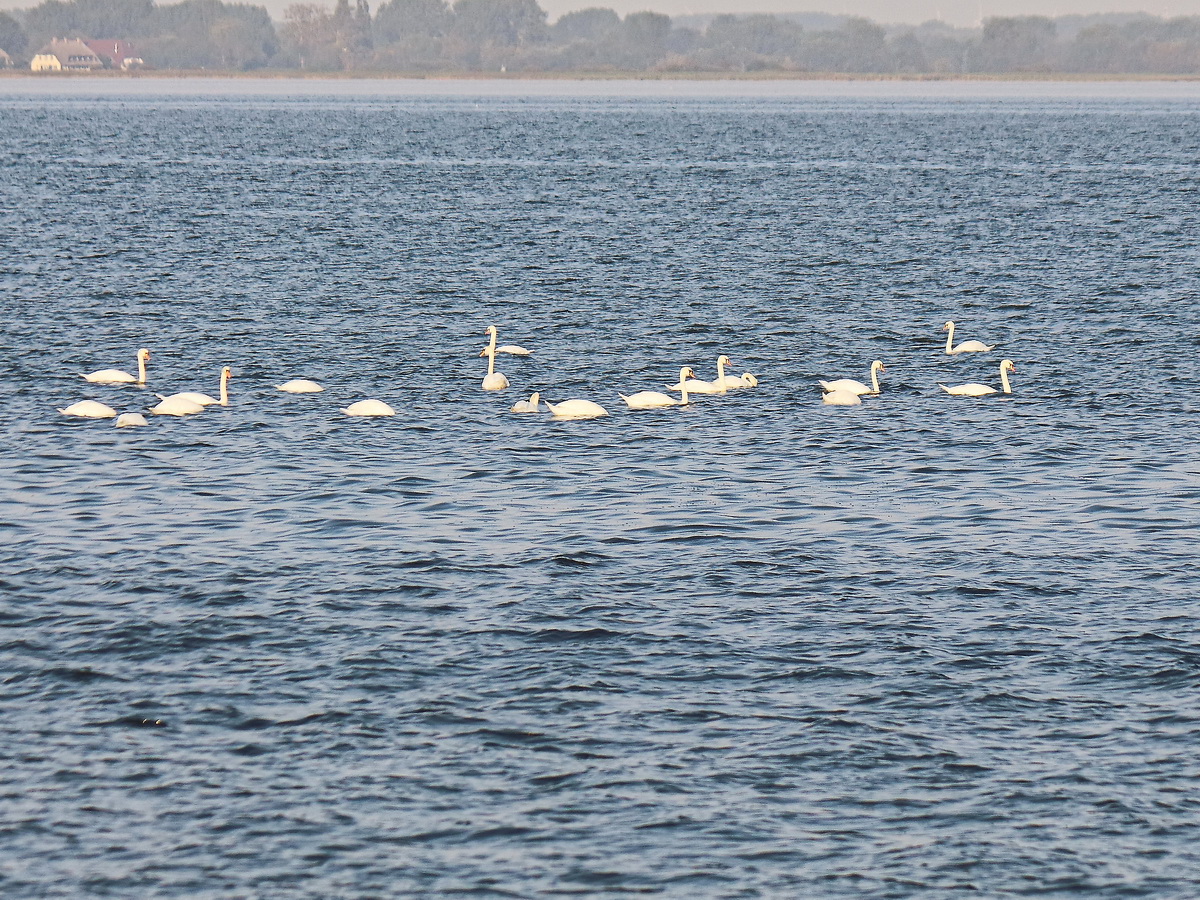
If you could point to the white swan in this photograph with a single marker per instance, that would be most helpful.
(510, 349)
(982, 390)
(131, 420)
(745, 380)
(530, 405)
(369, 408)
(116, 376)
(965, 346)
(841, 398)
(720, 386)
(656, 399)
(300, 386)
(176, 406)
(493, 380)
(205, 399)
(849, 385)
(576, 409)
(89, 409)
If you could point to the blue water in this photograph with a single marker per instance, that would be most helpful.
(758, 647)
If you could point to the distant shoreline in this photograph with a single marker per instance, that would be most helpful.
(299, 75)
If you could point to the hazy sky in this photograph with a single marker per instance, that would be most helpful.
(954, 12)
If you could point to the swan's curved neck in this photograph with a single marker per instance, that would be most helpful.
(141, 369)
(224, 388)
(949, 337)
(492, 343)
(1004, 380)
(492, 356)
(720, 373)
(874, 380)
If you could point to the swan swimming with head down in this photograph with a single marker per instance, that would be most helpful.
(974, 389)
(369, 408)
(117, 376)
(299, 386)
(89, 409)
(576, 409)
(965, 346)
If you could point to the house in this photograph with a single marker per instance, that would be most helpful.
(116, 54)
(66, 55)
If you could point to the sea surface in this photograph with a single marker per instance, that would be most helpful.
(928, 646)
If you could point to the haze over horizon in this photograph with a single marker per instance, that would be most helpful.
(959, 13)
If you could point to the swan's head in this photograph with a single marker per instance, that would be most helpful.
(1008, 366)
(723, 361)
(143, 355)
(685, 373)
(947, 326)
(877, 366)
(491, 329)
(750, 379)
(226, 372)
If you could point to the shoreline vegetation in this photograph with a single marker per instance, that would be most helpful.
(267, 74)
(515, 38)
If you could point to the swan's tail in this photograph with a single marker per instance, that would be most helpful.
(944, 388)
(825, 386)
(161, 396)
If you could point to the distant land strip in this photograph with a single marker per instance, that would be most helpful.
(514, 38)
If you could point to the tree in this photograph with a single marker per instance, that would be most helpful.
(402, 19)
(593, 25)
(500, 23)
(12, 35)
(1017, 44)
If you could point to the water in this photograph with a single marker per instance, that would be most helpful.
(758, 647)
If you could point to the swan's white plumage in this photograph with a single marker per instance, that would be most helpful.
(510, 349)
(974, 389)
(205, 399)
(965, 346)
(131, 420)
(299, 386)
(176, 406)
(369, 408)
(695, 386)
(841, 398)
(493, 380)
(117, 376)
(527, 406)
(576, 409)
(745, 380)
(89, 409)
(849, 385)
(657, 399)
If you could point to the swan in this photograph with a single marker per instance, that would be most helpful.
(510, 349)
(720, 386)
(745, 380)
(116, 376)
(656, 399)
(982, 390)
(176, 406)
(369, 408)
(129, 420)
(89, 409)
(204, 399)
(841, 398)
(965, 346)
(493, 380)
(576, 409)
(530, 405)
(856, 387)
(300, 386)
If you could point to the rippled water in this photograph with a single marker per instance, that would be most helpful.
(927, 646)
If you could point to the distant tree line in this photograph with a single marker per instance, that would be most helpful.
(427, 36)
